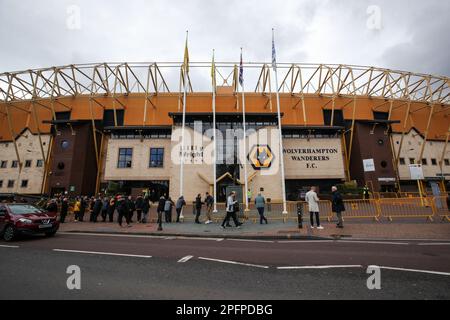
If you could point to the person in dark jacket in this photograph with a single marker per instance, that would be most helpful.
(198, 208)
(209, 200)
(96, 209)
(83, 205)
(179, 207)
(145, 209)
(139, 202)
(338, 206)
(131, 207)
(123, 209)
(105, 205)
(111, 209)
(160, 210)
(64, 209)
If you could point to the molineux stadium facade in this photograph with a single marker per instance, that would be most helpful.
(82, 129)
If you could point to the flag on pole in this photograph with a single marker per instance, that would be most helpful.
(213, 71)
(241, 71)
(274, 54)
(186, 56)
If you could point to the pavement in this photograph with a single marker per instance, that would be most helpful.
(131, 266)
(354, 229)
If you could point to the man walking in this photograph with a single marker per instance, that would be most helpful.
(179, 207)
(145, 209)
(122, 208)
(231, 211)
(160, 210)
(168, 210)
(198, 208)
(209, 200)
(338, 206)
(260, 203)
(131, 207)
(313, 207)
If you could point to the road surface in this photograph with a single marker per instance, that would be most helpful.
(142, 267)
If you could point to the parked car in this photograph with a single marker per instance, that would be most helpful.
(28, 219)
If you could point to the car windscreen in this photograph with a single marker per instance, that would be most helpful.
(24, 209)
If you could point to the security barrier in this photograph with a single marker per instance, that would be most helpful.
(361, 209)
(409, 194)
(407, 208)
(441, 207)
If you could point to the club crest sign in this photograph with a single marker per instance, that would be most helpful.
(261, 157)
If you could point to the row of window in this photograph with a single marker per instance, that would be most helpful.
(23, 183)
(434, 162)
(126, 158)
(15, 164)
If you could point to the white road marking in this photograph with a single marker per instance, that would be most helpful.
(251, 240)
(234, 262)
(414, 270)
(435, 244)
(103, 253)
(320, 267)
(6, 246)
(185, 259)
(373, 242)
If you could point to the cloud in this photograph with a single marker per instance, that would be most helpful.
(413, 36)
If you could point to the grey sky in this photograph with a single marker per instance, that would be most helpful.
(414, 35)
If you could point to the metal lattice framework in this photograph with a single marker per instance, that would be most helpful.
(118, 79)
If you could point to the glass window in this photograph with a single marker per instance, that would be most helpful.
(424, 162)
(402, 161)
(125, 158)
(10, 183)
(156, 157)
(1, 183)
(14, 164)
(447, 162)
(27, 163)
(24, 208)
(412, 161)
(39, 163)
(24, 184)
(3, 164)
(434, 162)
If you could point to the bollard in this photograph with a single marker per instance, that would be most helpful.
(300, 215)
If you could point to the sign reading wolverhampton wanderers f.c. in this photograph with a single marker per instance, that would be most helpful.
(261, 157)
(311, 156)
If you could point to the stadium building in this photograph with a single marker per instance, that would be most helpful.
(82, 129)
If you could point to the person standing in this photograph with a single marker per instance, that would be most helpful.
(168, 210)
(83, 205)
(160, 210)
(64, 210)
(139, 203)
(105, 205)
(231, 211)
(145, 209)
(111, 209)
(98, 204)
(131, 207)
(313, 207)
(198, 208)
(366, 192)
(209, 200)
(52, 207)
(123, 209)
(338, 206)
(260, 203)
(249, 195)
(179, 207)
(76, 209)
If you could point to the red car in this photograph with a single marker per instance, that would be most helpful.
(23, 218)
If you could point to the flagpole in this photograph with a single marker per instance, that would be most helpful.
(245, 140)
(184, 119)
(280, 135)
(213, 68)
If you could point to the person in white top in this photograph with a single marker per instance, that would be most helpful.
(313, 207)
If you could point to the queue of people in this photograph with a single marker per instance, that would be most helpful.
(129, 208)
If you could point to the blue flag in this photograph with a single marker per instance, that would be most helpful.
(241, 72)
(274, 54)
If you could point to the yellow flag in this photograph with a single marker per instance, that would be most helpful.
(186, 57)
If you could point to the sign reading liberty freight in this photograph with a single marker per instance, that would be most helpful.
(319, 158)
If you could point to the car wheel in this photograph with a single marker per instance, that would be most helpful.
(9, 233)
(50, 234)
